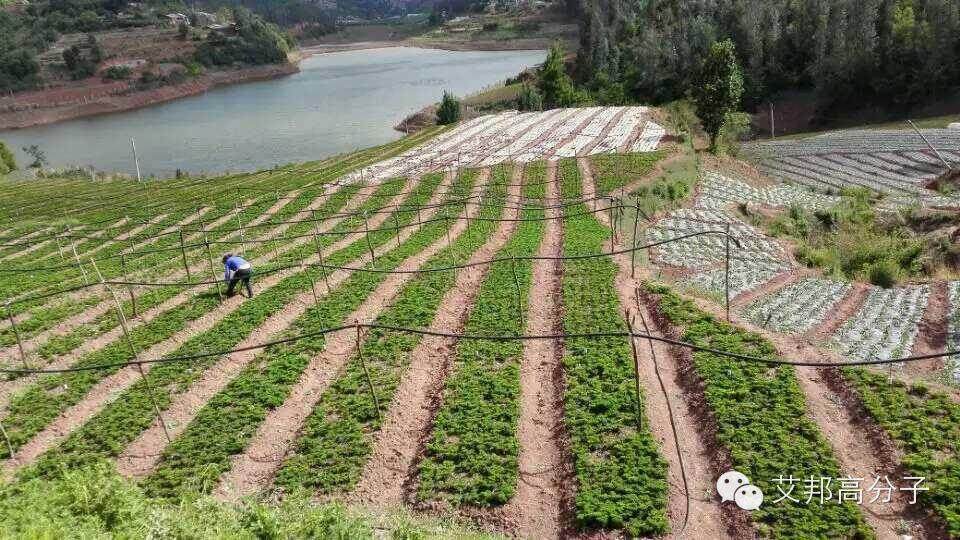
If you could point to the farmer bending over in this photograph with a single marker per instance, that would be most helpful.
(236, 270)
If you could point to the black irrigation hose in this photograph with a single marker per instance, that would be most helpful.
(480, 337)
(572, 201)
(274, 269)
(382, 228)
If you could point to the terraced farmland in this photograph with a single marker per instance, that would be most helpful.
(897, 163)
(462, 336)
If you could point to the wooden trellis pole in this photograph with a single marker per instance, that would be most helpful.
(366, 372)
(133, 350)
(123, 272)
(396, 227)
(636, 368)
(76, 257)
(516, 280)
(633, 254)
(16, 333)
(366, 231)
(183, 254)
(316, 243)
(726, 272)
(313, 284)
(213, 270)
(7, 439)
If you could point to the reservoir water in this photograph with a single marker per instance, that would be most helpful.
(338, 102)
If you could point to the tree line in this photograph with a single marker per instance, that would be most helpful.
(895, 54)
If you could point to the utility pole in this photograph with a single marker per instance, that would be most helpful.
(773, 130)
(136, 161)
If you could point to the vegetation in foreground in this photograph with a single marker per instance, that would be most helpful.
(95, 502)
(855, 241)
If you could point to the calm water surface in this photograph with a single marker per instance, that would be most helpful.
(337, 103)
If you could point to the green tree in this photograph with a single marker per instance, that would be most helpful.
(38, 155)
(6, 159)
(718, 89)
(555, 85)
(449, 111)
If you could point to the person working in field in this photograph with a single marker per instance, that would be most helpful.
(236, 269)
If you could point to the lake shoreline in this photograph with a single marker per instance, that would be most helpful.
(25, 114)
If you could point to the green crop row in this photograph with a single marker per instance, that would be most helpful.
(34, 408)
(339, 434)
(150, 298)
(471, 457)
(762, 421)
(611, 171)
(222, 428)
(925, 425)
(133, 411)
(336, 168)
(620, 475)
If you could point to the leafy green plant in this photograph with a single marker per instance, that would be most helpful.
(620, 474)
(471, 457)
(761, 420)
(925, 425)
(338, 436)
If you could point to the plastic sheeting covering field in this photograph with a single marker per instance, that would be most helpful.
(524, 137)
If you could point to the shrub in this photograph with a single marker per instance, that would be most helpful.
(449, 111)
(491, 26)
(7, 160)
(883, 273)
(117, 73)
(528, 26)
(529, 99)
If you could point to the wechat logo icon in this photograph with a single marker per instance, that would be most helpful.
(735, 486)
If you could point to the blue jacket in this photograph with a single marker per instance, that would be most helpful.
(233, 264)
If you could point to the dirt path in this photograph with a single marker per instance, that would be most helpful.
(774, 284)
(112, 386)
(847, 307)
(706, 519)
(932, 331)
(257, 465)
(861, 447)
(169, 230)
(142, 456)
(542, 505)
(410, 416)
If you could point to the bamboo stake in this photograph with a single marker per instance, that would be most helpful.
(213, 270)
(726, 272)
(80, 266)
(316, 242)
(396, 227)
(183, 254)
(313, 284)
(633, 254)
(7, 439)
(516, 280)
(123, 271)
(366, 372)
(133, 350)
(366, 231)
(636, 368)
(16, 333)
